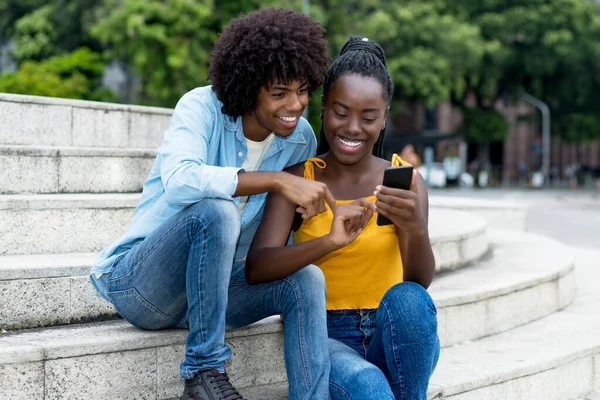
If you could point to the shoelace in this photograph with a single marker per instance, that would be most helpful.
(228, 392)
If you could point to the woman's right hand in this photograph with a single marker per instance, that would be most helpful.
(349, 221)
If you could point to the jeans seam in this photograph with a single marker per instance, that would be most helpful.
(301, 332)
(137, 264)
(344, 392)
(400, 382)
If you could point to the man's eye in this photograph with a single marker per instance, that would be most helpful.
(277, 95)
(340, 114)
(302, 91)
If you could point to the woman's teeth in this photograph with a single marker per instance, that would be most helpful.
(288, 119)
(350, 143)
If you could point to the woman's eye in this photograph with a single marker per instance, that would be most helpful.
(302, 91)
(370, 120)
(278, 95)
(339, 114)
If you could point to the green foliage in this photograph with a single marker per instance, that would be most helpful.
(430, 52)
(166, 43)
(75, 75)
(35, 35)
(580, 127)
(482, 126)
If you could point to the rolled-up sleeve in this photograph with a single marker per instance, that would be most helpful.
(184, 171)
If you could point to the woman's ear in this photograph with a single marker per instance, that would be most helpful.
(385, 116)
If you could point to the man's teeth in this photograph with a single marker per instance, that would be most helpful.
(288, 119)
(351, 143)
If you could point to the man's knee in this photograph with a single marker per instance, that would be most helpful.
(411, 311)
(307, 285)
(215, 214)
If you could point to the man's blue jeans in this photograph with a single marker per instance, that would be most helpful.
(388, 353)
(184, 275)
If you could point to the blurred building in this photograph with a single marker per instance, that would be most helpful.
(511, 160)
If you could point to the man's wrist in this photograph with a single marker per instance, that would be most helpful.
(277, 181)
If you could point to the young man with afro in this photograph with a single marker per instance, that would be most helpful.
(181, 262)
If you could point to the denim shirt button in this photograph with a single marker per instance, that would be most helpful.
(240, 154)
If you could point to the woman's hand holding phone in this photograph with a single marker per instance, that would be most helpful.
(401, 206)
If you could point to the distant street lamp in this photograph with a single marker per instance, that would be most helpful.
(545, 132)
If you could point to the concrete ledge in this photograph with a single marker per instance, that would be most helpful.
(34, 120)
(498, 214)
(457, 238)
(554, 358)
(73, 169)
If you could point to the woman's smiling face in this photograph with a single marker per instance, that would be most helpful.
(353, 115)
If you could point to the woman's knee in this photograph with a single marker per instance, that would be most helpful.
(366, 382)
(410, 309)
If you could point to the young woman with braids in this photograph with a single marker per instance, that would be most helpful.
(381, 321)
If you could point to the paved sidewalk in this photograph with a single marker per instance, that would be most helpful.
(581, 197)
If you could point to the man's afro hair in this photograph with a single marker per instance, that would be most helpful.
(262, 48)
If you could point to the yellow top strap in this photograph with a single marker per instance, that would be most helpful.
(309, 169)
(397, 161)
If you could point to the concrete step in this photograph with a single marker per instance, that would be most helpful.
(74, 223)
(62, 223)
(502, 214)
(555, 358)
(26, 169)
(113, 360)
(58, 283)
(45, 121)
(591, 396)
(100, 360)
(54, 289)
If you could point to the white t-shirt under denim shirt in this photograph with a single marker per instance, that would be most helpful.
(256, 152)
(201, 156)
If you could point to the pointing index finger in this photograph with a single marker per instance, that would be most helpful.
(330, 199)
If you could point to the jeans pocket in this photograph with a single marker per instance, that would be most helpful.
(138, 311)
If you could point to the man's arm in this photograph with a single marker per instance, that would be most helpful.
(186, 176)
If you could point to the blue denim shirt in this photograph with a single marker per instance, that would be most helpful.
(200, 157)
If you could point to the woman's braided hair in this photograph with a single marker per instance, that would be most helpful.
(362, 57)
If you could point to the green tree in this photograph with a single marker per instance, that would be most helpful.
(548, 48)
(166, 43)
(75, 75)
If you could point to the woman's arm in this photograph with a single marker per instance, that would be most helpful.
(270, 259)
(409, 210)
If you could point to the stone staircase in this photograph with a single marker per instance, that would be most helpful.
(510, 322)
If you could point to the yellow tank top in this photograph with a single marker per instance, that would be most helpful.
(358, 275)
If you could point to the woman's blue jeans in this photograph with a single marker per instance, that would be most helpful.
(388, 353)
(184, 275)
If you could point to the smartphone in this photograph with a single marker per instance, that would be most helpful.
(397, 178)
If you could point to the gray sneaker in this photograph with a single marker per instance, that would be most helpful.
(210, 385)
